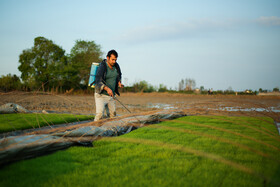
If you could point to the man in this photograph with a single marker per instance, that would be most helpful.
(108, 79)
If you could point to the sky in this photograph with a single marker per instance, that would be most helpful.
(221, 44)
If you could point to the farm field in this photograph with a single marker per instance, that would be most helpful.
(137, 102)
(223, 141)
(188, 151)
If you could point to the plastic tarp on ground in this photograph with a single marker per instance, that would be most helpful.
(13, 148)
(10, 108)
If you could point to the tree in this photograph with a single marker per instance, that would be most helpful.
(82, 55)
(189, 84)
(181, 85)
(229, 91)
(202, 88)
(276, 89)
(143, 86)
(162, 88)
(9, 83)
(43, 63)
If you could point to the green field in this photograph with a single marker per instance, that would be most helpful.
(189, 151)
(11, 122)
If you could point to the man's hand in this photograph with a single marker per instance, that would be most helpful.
(109, 91)
(120, 85)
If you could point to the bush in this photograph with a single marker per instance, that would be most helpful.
(10, 83)
(143, 86)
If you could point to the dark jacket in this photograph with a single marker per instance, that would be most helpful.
(100, 78)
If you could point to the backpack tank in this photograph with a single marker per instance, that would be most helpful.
(93, 70)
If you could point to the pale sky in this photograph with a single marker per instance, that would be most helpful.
(218, 43)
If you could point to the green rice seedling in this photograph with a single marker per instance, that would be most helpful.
(10, 122)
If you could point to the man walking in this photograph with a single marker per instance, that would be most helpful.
(108, 79)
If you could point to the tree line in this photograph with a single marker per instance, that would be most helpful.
(46, 67)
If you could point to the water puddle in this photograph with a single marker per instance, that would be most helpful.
(151, 106)
(134, 106)
(278, 127)
(239, 109)
(160, 106)
(219, 108)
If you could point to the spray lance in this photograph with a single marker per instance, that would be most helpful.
(126, 108)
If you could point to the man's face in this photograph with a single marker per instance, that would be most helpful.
(112, 60)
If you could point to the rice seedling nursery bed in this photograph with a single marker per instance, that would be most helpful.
(188, 151)
(20, 121)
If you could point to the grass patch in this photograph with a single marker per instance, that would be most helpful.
(11, 122)
(189, 151)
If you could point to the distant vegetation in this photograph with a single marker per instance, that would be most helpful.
(45, 67)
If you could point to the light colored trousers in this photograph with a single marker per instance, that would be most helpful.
(103, 102)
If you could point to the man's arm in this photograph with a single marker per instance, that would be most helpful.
(120, 84)
(109, 91)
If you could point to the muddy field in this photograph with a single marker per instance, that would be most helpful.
(191, 104)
